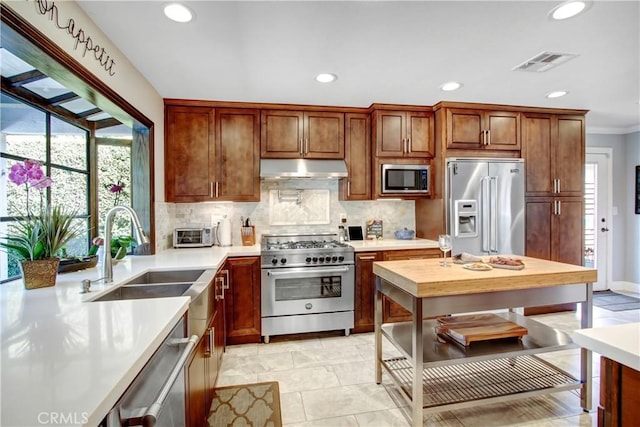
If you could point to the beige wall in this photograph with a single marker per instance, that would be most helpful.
(126, 81)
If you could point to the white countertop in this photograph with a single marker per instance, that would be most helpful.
(66, 357)
(620, 342)
(391, 244)
(62, 356)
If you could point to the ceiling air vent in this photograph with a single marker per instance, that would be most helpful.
(544, 61)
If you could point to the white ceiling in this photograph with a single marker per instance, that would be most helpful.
(385, 52)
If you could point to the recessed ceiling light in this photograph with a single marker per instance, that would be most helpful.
(326, 77)
(556, 94)
(568, 9)
(449, 86)
(178, 12)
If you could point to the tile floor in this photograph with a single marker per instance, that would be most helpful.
(329, 381)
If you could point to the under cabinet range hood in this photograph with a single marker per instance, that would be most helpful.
(302, 168)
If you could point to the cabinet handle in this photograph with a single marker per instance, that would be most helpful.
(348, 188)
(211, 190)
(559, 207)
(306, 145)
(558, 185)
(367, 258)
(217, 193)
(408, 145)
(207, 351)
(488, 136)
(484, 137)
(227, 283)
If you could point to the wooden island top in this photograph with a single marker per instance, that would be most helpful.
(426, 278)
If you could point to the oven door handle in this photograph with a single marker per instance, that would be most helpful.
(314, 271)
(151, 414)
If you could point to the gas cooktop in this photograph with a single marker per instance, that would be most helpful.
(294, 250)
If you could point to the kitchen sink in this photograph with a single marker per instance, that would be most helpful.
(171, 276)
(154, 284)
(133, 291)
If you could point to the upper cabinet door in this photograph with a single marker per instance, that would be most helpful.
(569, 155)
(323, 135)
(391, 133)
(238, 154)
(473, 129)
(420, 134)
(357, 186)
(297, 134)
(189, 154)
(404, 133)
(282, 134)
(553, 150)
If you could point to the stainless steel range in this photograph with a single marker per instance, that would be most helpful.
(308, 284)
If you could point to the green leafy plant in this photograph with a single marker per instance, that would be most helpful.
(120, 245)
(43, 234)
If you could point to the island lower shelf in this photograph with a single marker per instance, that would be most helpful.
(455, 376)
(470, 383)
(437, 352)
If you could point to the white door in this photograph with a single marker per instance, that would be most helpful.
(597, 229)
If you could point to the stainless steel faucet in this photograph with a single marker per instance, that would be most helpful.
(138, 234)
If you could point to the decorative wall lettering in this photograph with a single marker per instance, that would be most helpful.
(82, 39)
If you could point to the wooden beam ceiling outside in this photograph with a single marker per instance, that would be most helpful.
(26, 77)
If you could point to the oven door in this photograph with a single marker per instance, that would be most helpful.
(306, 290)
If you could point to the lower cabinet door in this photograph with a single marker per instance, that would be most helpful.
(197, 386)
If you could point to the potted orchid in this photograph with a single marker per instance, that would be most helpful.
(38, 238)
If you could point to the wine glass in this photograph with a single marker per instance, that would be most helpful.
(444, 240)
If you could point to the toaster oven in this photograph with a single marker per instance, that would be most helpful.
(193, 237)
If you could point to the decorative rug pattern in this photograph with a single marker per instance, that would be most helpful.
(615, 302)
(255, 405)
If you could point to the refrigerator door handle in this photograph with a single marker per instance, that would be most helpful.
(493, 214)
(485, 195)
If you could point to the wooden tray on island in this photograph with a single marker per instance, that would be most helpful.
(478, 327)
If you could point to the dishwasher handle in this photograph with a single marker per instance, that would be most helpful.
(149, 419)
(150, 415)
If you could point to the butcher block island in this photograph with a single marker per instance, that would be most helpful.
(436, 372)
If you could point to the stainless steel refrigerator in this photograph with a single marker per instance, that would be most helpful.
(485, 205)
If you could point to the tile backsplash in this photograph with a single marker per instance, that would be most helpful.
(318, 210)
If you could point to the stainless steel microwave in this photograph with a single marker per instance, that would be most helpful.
(193, 237)
(405, 179)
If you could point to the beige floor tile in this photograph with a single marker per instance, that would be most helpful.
(330, 382)
(244, 365)
(323, 357)
(224, 379)
(291, 408)
(348, 421)
(302, 379)
(342, 401)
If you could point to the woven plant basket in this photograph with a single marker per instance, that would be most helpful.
(40, 273)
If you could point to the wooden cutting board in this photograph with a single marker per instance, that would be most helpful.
(478, 327)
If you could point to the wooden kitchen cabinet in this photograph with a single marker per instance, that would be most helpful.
(196, 386)
(366, 286)
(302, 134)
(391, 311)
(554, 153)
(554, 231)
(204, 364)
(357, 186)
(365, 291)
(482, 129)
(189, 153)
(242, 301)
(403, 133)
(619, 398)
(212, 154)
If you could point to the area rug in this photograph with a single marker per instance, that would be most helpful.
(255, 405)
(615, 302)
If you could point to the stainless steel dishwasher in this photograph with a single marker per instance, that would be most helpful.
(157, 395)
